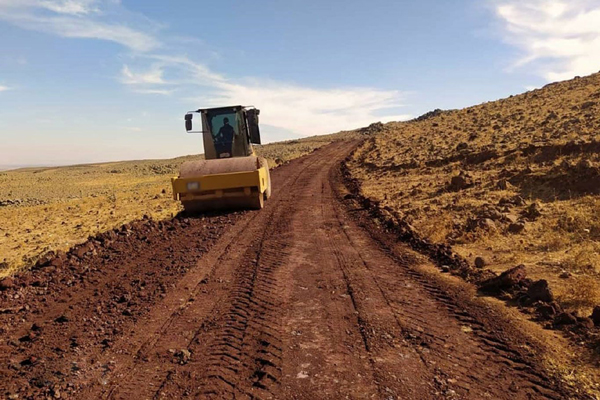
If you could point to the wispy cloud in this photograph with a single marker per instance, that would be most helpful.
(154, 76)
(296, 108)
(88, 19)
(559, 38)
(4, 88)
(155, 71)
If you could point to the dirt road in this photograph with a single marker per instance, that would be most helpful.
(296, 301)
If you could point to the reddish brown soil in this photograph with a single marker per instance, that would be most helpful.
(297, 301)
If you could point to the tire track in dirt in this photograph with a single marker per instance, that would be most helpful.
(154, 359)
(296, 301)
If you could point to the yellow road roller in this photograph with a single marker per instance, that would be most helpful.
(231, 176)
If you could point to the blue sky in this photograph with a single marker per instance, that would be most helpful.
(98, 80)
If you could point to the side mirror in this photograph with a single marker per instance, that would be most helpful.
(188, 122)
(253, 129)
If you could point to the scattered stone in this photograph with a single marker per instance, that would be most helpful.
(82, 250)
(462, 146)
(516, 228)
(584, 165)
(588, 104)
(511, 218)
(506, 281)
(479, 262)
(487, 224)
(540, 291)
(183, 356)
(45, 260)
(586, 323)
(503, 184)
(548, 311)
(565, 318)
(533, 212)
(372, 129)
(565, 275)
(62, 319)
(460, 182)
(124, 298)
(596, 316)
(491, 213)
(7, 283)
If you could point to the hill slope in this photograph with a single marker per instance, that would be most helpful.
(515, 181)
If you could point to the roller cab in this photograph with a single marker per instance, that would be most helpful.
(231, 176)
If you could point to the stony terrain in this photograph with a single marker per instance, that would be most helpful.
(334, 289)
(305, 299)
(503, 184)
(43, 209)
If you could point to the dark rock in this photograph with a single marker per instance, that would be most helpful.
(460, 182)
(506, 281)
(29, 361)
(565, 275)
(45, 260)
(183, 356)
(540, 291)
(124, 298)
(59, 260)
(565, 318)
(62, 319)
(533, 212)
(586, 323)
(596, 316)
(491, 213)
(487, 224)
(503, 184)
(547, 311)
(516, 228)
(480, 262)
(372, 129)
(7, 283)
(588, 104)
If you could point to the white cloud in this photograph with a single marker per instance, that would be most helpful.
(155, 91)
(74, 7)
(76, 19)
(308, 111)
(4, 88)
(154, 76)
(559, 38)
(296, 108)
(289, 107)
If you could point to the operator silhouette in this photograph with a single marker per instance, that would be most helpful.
(224, 139)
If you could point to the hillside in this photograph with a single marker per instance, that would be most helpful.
(43, 209)
(510, 182)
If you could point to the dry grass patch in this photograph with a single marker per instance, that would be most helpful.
(43, 209)
(516, 181)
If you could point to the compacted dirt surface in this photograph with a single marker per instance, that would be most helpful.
(296, 301)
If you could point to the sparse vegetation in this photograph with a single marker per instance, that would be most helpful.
(43, 209)
(516, 181)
